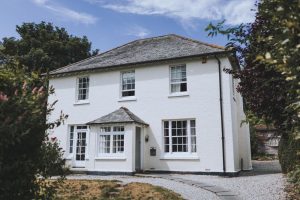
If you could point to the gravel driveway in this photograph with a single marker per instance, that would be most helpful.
(265, 182)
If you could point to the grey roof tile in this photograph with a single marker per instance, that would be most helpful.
(122, 115)
(144, 51)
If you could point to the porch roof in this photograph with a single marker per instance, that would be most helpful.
(122, 115)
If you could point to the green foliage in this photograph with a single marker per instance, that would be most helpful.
(254, 141)
(268, 51)
(253, 121)
(43, 47)
(27, 157)
(294, 178)
(287, 153)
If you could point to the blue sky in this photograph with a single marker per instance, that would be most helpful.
(110, 23)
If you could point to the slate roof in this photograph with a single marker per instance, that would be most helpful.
(144, 51)
(122, 115)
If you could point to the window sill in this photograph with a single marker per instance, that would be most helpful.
(110, 158)
(81, 102)
(179, 94)
(122, 99)
(178, 157)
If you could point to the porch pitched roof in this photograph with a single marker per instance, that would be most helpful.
(122, 115)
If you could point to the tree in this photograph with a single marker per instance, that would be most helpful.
(44, 47)
(268, 51)
(28, 158)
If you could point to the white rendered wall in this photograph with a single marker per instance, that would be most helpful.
(153, 104)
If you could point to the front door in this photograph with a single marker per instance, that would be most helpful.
(80, 148)
(138, 141)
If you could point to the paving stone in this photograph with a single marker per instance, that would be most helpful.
(206, 185)
(226, 194)
(216, 189)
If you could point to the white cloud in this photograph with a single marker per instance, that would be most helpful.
(138, 31)
(234, 11)
(66, 13)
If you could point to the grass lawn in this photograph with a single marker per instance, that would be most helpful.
(104, 189)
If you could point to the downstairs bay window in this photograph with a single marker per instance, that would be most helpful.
(111, 141)
(179, 137)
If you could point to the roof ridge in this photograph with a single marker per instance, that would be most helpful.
(130, 114)
(126, 111)
(200, 42)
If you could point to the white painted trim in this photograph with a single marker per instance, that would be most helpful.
(179, 94)
(82, 102)
(174, 157)
(130, 98)
(110, 158)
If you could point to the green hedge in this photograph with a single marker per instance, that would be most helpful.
(287, 153)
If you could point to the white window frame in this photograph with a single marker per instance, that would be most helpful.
(121, 84)
(179, 82)
(111, 134)
(87, 89)
(189, 138)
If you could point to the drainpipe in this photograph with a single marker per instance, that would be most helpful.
(221, 113)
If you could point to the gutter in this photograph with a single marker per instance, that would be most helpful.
(221, 113)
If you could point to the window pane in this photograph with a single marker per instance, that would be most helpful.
(118, 128)
(71, 138)
(105, 129)
(118, 143)
(128, 93)
(166, 124)
(193, 136)
(193, 123)
(104, 143)
(81, 127)
(183, 87)
(167, 148)
(175, 88)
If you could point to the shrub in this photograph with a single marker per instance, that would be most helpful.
(287, 153)
(27, 157)
(294, 177)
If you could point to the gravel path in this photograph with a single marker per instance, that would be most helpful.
(265, 182)
(186, 191)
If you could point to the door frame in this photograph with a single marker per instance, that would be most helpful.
(75, 163)
(141, 147)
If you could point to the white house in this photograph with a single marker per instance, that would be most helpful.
(156, 104)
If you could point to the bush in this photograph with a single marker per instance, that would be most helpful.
(253, 141)
(27, 157)
(287, 153)
(294, 177)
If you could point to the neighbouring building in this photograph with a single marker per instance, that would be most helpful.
(155, 104)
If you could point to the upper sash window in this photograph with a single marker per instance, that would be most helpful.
(178, 81)
(82, 88)
(128, 83)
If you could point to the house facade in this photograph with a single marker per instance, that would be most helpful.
(156, 104)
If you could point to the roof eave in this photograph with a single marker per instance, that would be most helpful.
(121, 122)
(114, 67)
